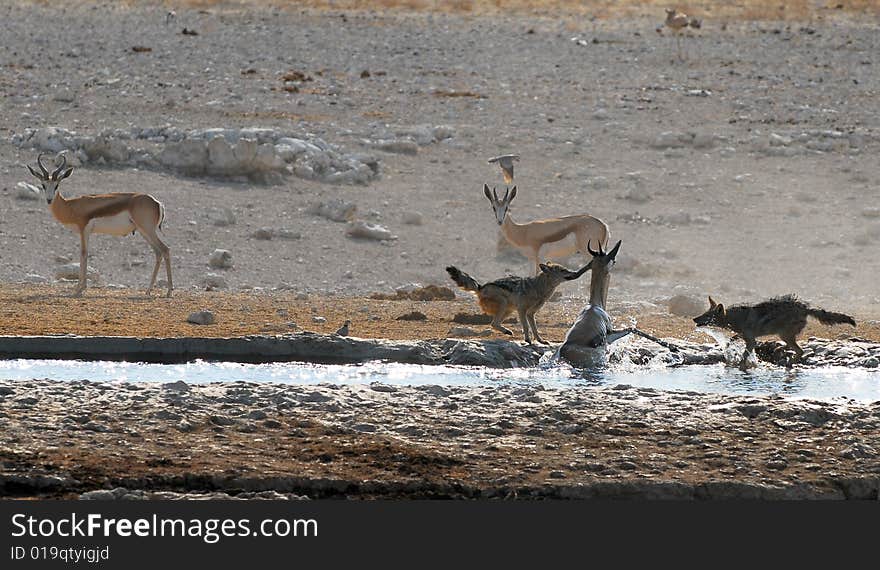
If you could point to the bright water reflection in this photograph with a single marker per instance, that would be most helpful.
(818, 383)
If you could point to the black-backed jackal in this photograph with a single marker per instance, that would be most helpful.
(783, 316)
(526, 295)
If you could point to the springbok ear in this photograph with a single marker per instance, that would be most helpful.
(712, 302)
(512, 194)
(613, 253)
(66, 173)
(34, 172)
(485, 190)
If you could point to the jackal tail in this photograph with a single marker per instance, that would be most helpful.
(462, 279)
(830, 318)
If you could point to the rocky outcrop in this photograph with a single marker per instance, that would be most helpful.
(260, 154)
(302, 347)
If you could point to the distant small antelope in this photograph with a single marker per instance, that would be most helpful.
(526, 295)
(593, 329)
(677, 21)
(556, 233)
(118, 214)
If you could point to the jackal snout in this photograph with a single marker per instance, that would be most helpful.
(712, 316)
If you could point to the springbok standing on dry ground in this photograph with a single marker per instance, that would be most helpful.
(586, 340)
(118, 214)
(556, 233)
(677, 21)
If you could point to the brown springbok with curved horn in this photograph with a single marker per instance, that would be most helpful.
(586, 340)
(554, 233)
(118, 214)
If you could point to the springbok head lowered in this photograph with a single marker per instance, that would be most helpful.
(502, 205)
(49, 180)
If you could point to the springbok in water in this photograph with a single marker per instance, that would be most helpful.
(555, 233)
(118, 214)
(586, 340)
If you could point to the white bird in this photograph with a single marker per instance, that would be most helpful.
(505, 161)
(169, 16)
(343, 330)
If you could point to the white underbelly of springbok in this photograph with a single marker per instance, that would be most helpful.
(559, 250)
(118, 225)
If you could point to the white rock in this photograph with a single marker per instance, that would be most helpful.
(220, 259)
(213, 281)
(366, 230)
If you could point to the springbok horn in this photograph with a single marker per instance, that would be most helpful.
(40, 164)
(60, 168)
(494, 193)
(613, 253)
(590, 249)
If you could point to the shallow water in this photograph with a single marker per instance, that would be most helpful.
(817, 383)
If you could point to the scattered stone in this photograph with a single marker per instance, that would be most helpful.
(413, 218)
(413, 316)
(263, 234)
(213, 281)
(336, 209)
(366, 230)
(220, 259)
(204, 317)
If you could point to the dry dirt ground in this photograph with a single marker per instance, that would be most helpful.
(746, 170)
(42, 310)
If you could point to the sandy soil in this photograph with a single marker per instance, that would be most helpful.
(722, 212)
(41, 310)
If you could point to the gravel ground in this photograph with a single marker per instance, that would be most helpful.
(745, 171)
(431, 441)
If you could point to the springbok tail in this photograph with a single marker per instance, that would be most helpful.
(462, 279)
(830, 318)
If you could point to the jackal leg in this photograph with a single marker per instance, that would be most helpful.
(524, 321)
(499, 316)
(791, 342)
(534, 325)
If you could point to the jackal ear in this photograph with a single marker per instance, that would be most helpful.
(486, 191)
(712, 302)
(719, 308)
(544, 268)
